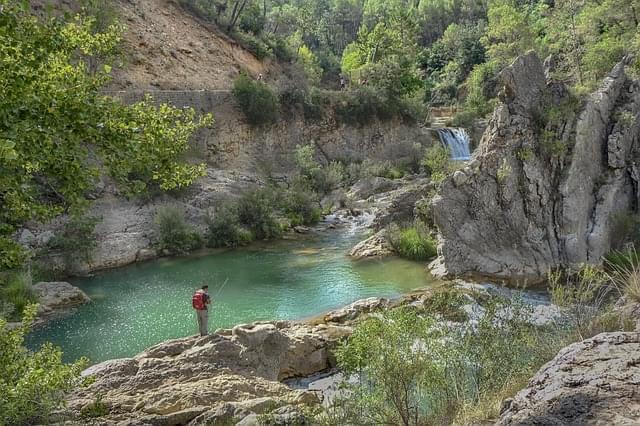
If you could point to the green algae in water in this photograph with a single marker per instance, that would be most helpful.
(138, 306)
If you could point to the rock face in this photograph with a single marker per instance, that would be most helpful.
(548, 180)
(226, 376)
(375, 246)
(593, 382)
(57, 297)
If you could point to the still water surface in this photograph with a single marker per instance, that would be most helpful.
(138, 306)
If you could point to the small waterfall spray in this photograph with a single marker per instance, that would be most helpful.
(457, 141)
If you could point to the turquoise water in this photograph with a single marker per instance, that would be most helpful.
(138, 306)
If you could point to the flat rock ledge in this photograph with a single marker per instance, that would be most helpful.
(593, 382)
(231, 376)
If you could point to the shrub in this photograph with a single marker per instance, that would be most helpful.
(413, 243)
(330, 177)
(321, 179)
(411, 369)
(33, 383)
(437, 163)
(280, 48)
(77, 239)
(582, 294)
(253, 44)
(256, 212)
(15, 294)
(448, 303)
(12, 254)
(257, 101)
(362, 106)
(625, 274)
(174, 234)
(224, 229)
(301, 206)
(464, 119)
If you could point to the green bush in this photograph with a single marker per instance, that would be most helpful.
(32, 383)
(411, 369)
(253, 44)
(76, 240)
(414, 243)
(256, 211)
(361, 106)
(301, 206)
(15, 294)
(464, 119)
(257, 101)
(174, 234)
(224, 229)
(448, 303)
(321, 179)
(437, 162)
(280, 48)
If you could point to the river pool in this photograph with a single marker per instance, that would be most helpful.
(140, 305)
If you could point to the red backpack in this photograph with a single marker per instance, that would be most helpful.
(198, 300)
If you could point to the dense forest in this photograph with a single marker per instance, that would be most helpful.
(442, 52)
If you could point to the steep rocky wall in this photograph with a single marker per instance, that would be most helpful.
(235, 154)
(233, 143)
(538, 193)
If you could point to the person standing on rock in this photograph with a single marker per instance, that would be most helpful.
(200, 301)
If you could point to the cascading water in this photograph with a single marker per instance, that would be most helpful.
(457, 141)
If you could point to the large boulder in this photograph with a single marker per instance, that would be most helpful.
(226, 376)
(375, 246)
(56, 298)
(549, 178)
(593, 382)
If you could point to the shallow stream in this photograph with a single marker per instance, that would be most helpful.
(140, 305)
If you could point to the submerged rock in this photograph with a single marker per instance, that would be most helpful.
(593, 382)
(547, 181)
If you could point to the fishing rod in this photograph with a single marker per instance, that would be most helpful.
(221, 287)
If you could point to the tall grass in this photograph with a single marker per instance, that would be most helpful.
(15, 294)
(414, 242)
(624, 267)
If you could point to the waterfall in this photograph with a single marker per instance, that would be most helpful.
(457, 141)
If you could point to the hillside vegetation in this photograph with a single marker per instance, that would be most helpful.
(439, 52)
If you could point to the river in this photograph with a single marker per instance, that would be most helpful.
(140, 305)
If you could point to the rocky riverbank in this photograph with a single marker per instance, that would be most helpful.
(238, 374)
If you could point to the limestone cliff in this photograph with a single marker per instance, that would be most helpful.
(549, 178)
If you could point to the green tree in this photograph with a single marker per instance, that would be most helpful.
(58, 133)
(511, 31)
(257, 100)
(32, 384)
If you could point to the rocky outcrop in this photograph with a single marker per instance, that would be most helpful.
(548, 180)
(56, 298)
(376, 245)
(226, 376)
(397, 206)
(593, 382)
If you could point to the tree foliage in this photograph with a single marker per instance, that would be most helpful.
(32, 384)
(57, 132)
